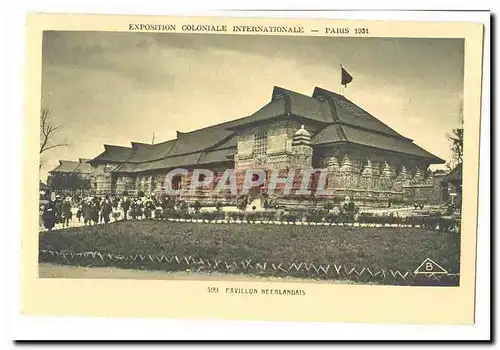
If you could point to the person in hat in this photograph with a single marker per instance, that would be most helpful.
(106, 209)
(115, 202)
(79, 212)
(125, 204)
(139, 206)
(49, 216)
(95, 210)
(58, 209)
(148, 208)
(40, 216)
(66, 212)
(87, 211)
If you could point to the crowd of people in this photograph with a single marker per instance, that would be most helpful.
(95, 210)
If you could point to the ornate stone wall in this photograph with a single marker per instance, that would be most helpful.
(279, 146)
(375, 178)
(301, 157)
(125, 183)
(100, 179)
(145, 183)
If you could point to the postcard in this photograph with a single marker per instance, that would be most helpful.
(251, 168)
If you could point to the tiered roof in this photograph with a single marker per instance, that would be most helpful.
(69, 166)
(338, 120)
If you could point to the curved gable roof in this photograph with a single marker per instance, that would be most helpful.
(66, 166)
(200, 140)
(84, 167)
(145, 152)
(340, 120)
(286, 103)
(382, 141)
(114, 154)
(305, 106)
(347, 112)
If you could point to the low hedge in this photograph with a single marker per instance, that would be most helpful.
(315, 215)
(431, 221)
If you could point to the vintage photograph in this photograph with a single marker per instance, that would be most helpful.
(251, 157)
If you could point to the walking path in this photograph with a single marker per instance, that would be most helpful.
(46, 270)
(402, 212)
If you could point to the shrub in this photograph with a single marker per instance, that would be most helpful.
(140, 194)
(212, 215)
(439, 222)
(328, 206)
(251, 217)
(171, 214)
(182, 205)
(236, 215)
(346, 217)
(197, 206)
(397, 201)
(242, 201)
(271, 202)
(270, 215)
(159, 213)
(367, 218)
(351, 207)
(332, 218)
(315, 215)
(299, 212)
(291, 217)
(167, 202)
(185, 214)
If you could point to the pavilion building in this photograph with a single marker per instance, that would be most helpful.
(364, 158)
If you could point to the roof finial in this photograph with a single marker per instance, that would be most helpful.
(301, 137)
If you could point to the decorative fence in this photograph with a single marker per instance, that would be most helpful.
(324, 271)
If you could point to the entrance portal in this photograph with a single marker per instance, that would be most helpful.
(255, 199)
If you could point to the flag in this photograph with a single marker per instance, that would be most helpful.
(346, 77)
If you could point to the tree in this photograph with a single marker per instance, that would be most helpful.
(456, 140)
(69, 182)
(47, 131)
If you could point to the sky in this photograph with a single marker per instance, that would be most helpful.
(118, 87)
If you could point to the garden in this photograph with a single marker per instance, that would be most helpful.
(311, 244)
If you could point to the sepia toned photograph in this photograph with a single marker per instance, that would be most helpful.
(251, 168)
(203, 156)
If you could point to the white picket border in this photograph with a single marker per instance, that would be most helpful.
(192, 262)
(300, 223)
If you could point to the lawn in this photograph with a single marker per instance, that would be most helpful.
(378, 249)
